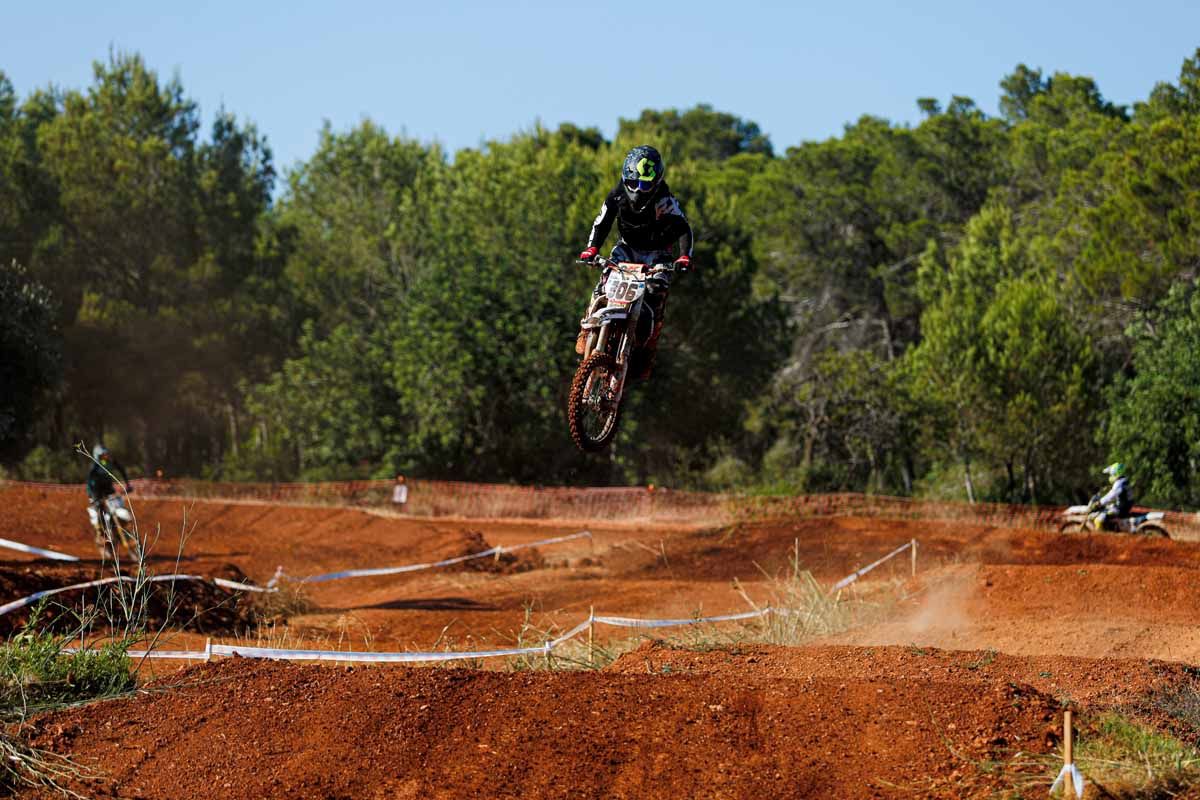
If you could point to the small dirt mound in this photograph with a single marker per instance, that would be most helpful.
(189, 605)
(504, 563)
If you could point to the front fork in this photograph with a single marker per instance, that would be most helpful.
(625, 348)
(598, 340)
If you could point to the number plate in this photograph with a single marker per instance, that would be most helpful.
(620, 289)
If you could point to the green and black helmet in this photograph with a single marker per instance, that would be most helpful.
(641, 174)
(1115, 471)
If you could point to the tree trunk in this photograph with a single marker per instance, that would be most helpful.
(1030, 479)
(966, 462)
(873, 480)
(233, 429)
(810, 437)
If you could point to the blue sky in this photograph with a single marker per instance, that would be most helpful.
(464, 72)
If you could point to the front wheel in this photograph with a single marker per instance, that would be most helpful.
(594, 403)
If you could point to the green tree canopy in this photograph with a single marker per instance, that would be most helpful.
(30, 357)
(1154, 422)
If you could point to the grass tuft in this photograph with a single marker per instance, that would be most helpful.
(287, 601)
(805, 610)
(1181, 703)
(37, 671)
(1131, 760)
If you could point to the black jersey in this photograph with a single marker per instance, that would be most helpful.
(100, 481)
(659, 226)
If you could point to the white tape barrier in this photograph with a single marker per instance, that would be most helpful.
(37, 551)
(571, 634)
(849, 579)
(270, 587)
(330, 576)
(336, 655)
(1069, 771)
(632, 622)
(180, 655)
(33, 598)
(283, 654)
(492, 551)
(225, 583)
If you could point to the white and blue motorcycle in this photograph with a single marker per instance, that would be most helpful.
(1085, 519)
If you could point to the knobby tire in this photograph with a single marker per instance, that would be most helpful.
(577, 407)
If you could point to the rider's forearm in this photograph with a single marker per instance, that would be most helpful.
(602, 224)
(685, 241)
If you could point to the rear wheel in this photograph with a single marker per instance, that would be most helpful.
(1153, 531)
(593, 406)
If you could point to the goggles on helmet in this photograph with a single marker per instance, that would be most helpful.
(638, 185)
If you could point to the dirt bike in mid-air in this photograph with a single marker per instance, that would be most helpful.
(112, 521)
(619, 323)
(1082, 519)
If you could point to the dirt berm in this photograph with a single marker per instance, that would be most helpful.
(654, 725)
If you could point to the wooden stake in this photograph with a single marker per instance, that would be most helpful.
(914, 557)
(1068, 753)
(796, 558)
(591, 636)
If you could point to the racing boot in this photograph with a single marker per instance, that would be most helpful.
(649, 351)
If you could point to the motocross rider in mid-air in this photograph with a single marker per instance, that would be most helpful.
(650, 223)
(1117, 503)
(100, 486)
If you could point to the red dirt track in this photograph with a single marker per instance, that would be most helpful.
(999, 627)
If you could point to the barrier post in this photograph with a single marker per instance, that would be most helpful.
(796, 559)
(1068, 754)
(591, 636)
(914, 558)
(499, 549)
(208, 649)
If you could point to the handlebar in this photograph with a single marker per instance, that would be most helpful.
(600, 262)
